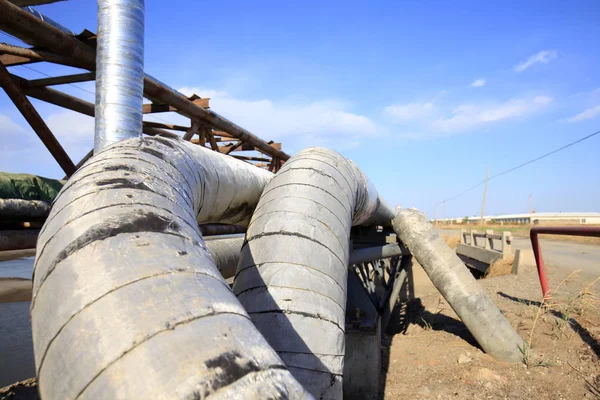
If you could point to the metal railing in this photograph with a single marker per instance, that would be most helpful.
(592, 231)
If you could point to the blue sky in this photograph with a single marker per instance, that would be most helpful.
(424, 96)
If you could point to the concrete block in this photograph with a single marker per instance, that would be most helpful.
(478, 253)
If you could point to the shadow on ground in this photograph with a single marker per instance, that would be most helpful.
(583, 333)
(413, 312)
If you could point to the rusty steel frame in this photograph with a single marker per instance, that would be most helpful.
(55, 46)
(591, 231)
(20, 100)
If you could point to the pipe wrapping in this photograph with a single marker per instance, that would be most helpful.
(119, 71)
(226, 253)
(292, 274)
(11, 209)
(127, 301)
(451, 277)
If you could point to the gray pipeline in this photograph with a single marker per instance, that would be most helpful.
(293, 270)
(458, 286)
(127, 301)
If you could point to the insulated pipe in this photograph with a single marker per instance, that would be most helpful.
(18, 209)
(226, 253)
(127, 301)
(119, 71)
(458, 286)
(292, 274)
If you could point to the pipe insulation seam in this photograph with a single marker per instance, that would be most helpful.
(292, 274)
(124, 283)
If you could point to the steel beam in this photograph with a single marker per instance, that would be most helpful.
(62, 80)
(32, 28)
(15, 93)
(15, 55)
(246, 158)
(234, 147)
(166, 126)
(152, 108)
(72, 103)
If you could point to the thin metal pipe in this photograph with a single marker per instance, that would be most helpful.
(368, 254)
(593, 231)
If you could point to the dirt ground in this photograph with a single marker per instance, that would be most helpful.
(429, 354)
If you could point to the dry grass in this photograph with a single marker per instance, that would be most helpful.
(451, 240)
(500, 267)
(523, 231)
(564, 310)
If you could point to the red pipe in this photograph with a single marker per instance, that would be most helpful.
(593, 231)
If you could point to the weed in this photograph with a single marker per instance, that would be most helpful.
(426, 325)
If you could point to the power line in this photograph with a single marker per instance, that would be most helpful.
(524, 164)
(83, 89)
(50, 76)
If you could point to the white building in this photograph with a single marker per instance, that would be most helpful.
(560, 218)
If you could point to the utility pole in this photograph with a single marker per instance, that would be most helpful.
(445, 222)
(530, 209)
(530, 204)
(436, 224)
(487, 174)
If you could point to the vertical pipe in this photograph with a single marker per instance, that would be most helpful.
(119, 71)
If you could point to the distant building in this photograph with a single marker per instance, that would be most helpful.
(560, 218)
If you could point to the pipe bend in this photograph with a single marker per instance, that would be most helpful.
(128, 302)
(292, 273)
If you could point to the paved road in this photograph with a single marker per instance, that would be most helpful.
(569, 256)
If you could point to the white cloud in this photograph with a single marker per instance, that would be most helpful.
(589, 113)
(8, 126)
(71, 127)
(478, 82)
(543, 57)
(74, 131)
(409, 111)
(12, 135)
(435, 119)
(469, 116)
(296, 122)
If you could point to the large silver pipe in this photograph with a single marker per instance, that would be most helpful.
(127, 301)
(292, 275)
(119, 71)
